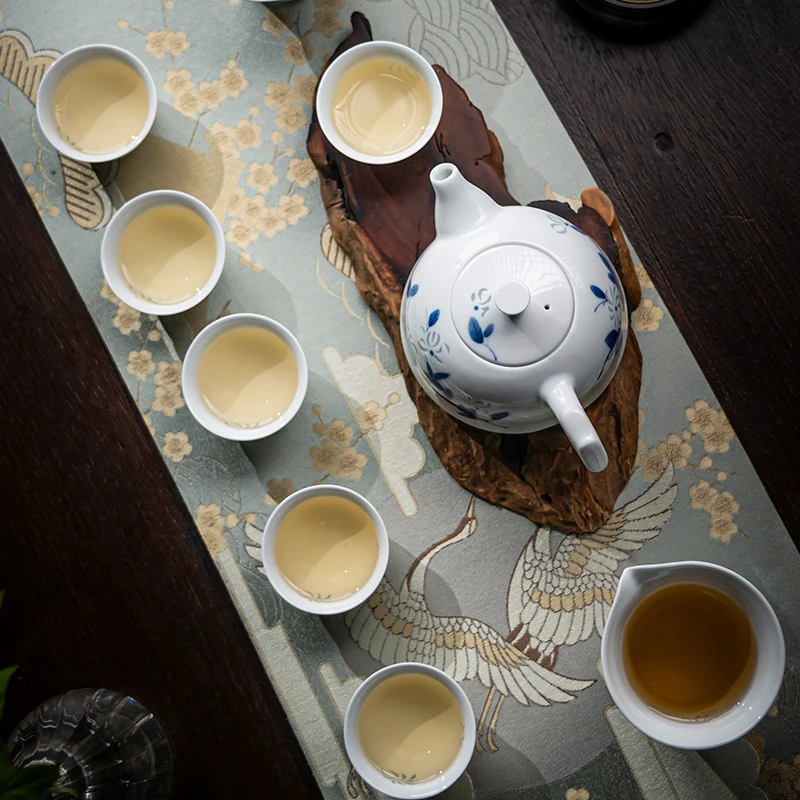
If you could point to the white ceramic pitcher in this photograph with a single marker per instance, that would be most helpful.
(634, 585)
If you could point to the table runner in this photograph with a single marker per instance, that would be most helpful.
(236, 84)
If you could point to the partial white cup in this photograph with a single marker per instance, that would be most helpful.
(635, 584)
(285, 589)
(370, 773)
(330, 80)
(65, 64)
(109, 250)
(191, 367)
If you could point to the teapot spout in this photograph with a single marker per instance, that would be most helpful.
(559, 393)
(459, 204)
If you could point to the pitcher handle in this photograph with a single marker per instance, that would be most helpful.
(559, 393)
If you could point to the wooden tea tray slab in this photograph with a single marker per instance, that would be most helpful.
(383, 217)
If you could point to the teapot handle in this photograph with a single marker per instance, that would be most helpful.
(559, 393)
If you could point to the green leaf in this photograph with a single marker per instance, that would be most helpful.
(5, 677)
(29, 783)
(7, 769)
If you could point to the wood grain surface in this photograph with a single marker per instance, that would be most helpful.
(383, 217)
(695, 138)
(108, 583)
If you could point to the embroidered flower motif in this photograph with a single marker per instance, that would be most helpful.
(168, 400)
(304, 88)
(647, 316)
(127, 319)
(301, 171)
(654, 461)
(168, 374)
(222, 139)
(279, 95)
(140, 364)
(371, 417)
(290, 119)
(293, 208)
(241, 234)
(159, 43)
(176, 446)
(721, 507)
(327, 22)
(261, 177)
(712, 425)
(233, 79)
(272, 23)
(278, 490)
(271, 221)
(295, 52)
(247, 134)
(212, 93)
(210, 524)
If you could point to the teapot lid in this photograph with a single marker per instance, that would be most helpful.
(512, 304)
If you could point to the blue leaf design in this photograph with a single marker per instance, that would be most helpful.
(448, 393)
(611, 339)
(607, 265)
(433, 318)
(598, 292)
(413, 289)
(428, 369)
(500, 415)
(441, 376)
(475, 332)
(488, 330)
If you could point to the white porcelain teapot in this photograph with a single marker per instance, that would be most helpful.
(513, 319)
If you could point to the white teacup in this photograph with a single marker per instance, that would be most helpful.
(635, 584)
(360, 52)
(289, 592)
(109, 250)
(65, 64)
(191, 367)
(375, 777)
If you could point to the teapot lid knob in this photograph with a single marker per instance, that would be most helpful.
(512, 298)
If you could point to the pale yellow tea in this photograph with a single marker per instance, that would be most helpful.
(381, 106)
(248, 377)
(411, 727)
(689, 651)
(167, 254)
(327, 548)
(100, 106)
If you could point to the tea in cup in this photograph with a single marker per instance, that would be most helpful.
(163, 252)
(379, 102)
(325, 549)
(409, 730)
(96, 103)
(244, 377)
(692, 653)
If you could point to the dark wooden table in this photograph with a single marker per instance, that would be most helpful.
(109, 584)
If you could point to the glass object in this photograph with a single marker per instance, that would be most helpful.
(106, 744)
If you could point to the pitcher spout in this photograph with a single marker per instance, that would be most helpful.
(460, 206)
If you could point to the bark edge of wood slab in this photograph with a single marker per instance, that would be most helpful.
(383, 218)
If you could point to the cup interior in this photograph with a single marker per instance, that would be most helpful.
(109, 250)
(755, 699)
(333, 74)
(65, 64)
(191, 367)
(374, 776)
(285, 589)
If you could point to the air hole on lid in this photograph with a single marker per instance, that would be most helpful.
(547, 307)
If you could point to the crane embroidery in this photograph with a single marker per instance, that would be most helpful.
(554, 600)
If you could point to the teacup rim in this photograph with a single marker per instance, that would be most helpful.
(327, 86)
(59, 68)
(699, 734)
(370, 773)
(191, 362)
(284, 588)
(124, 216)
